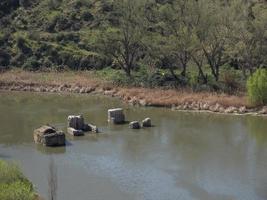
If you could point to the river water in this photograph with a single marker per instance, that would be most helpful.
(185, 156)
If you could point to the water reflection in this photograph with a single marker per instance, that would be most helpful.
(185, 156)
(258, 128)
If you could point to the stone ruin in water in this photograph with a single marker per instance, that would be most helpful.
(116, 116)
(49, 136)
(77, 127)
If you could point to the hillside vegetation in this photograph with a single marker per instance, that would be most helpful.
(211, 45)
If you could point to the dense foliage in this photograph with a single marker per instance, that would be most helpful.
(257, 87)
(198, 43)
(13, 185)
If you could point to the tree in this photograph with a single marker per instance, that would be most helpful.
(124, 41)
(247, 42)
(212, 31)
(178, 33)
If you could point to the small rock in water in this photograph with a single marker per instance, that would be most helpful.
(90, 127)
(146, 122)
(75, 132)
(134, 125)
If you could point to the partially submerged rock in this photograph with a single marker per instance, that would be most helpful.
(93, 128)
(75, 132)
(116, 116)
(146, 122)
(49, 136)
(134, 125)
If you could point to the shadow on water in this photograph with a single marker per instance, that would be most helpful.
(51, 150)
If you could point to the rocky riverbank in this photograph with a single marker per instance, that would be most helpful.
(137, 99)
(83, 84)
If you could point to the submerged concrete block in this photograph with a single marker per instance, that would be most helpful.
(49, 136)
(116, 116)
(134, 125)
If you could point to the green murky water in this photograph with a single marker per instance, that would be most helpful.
(186, 156)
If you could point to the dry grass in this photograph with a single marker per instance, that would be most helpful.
(156, 97)
(49, 78)
(160, 97)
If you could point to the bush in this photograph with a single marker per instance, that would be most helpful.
(257, 87)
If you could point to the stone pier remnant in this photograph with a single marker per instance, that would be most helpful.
(76, 122)
(134, 125)
(116, 116)
(146, 122)
(77, 127)
(49, 136)
(75, 132)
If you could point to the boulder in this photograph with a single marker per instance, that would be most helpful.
(93, 128)
(76, 122)
(146, 122)
(231, 109)
(134, 125)
(263, 110)
(90, 127)
(75, 132)
(242, 109)
(116, 116)
(49, 136)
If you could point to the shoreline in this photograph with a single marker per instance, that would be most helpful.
(83, 83)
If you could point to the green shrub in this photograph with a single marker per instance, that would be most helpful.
(257, 87)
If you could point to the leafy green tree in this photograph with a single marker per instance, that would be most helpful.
(124, 41)
(247, 42)
(212, 31)
(178, 33)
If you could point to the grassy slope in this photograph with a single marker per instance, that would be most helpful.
(13, 185)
